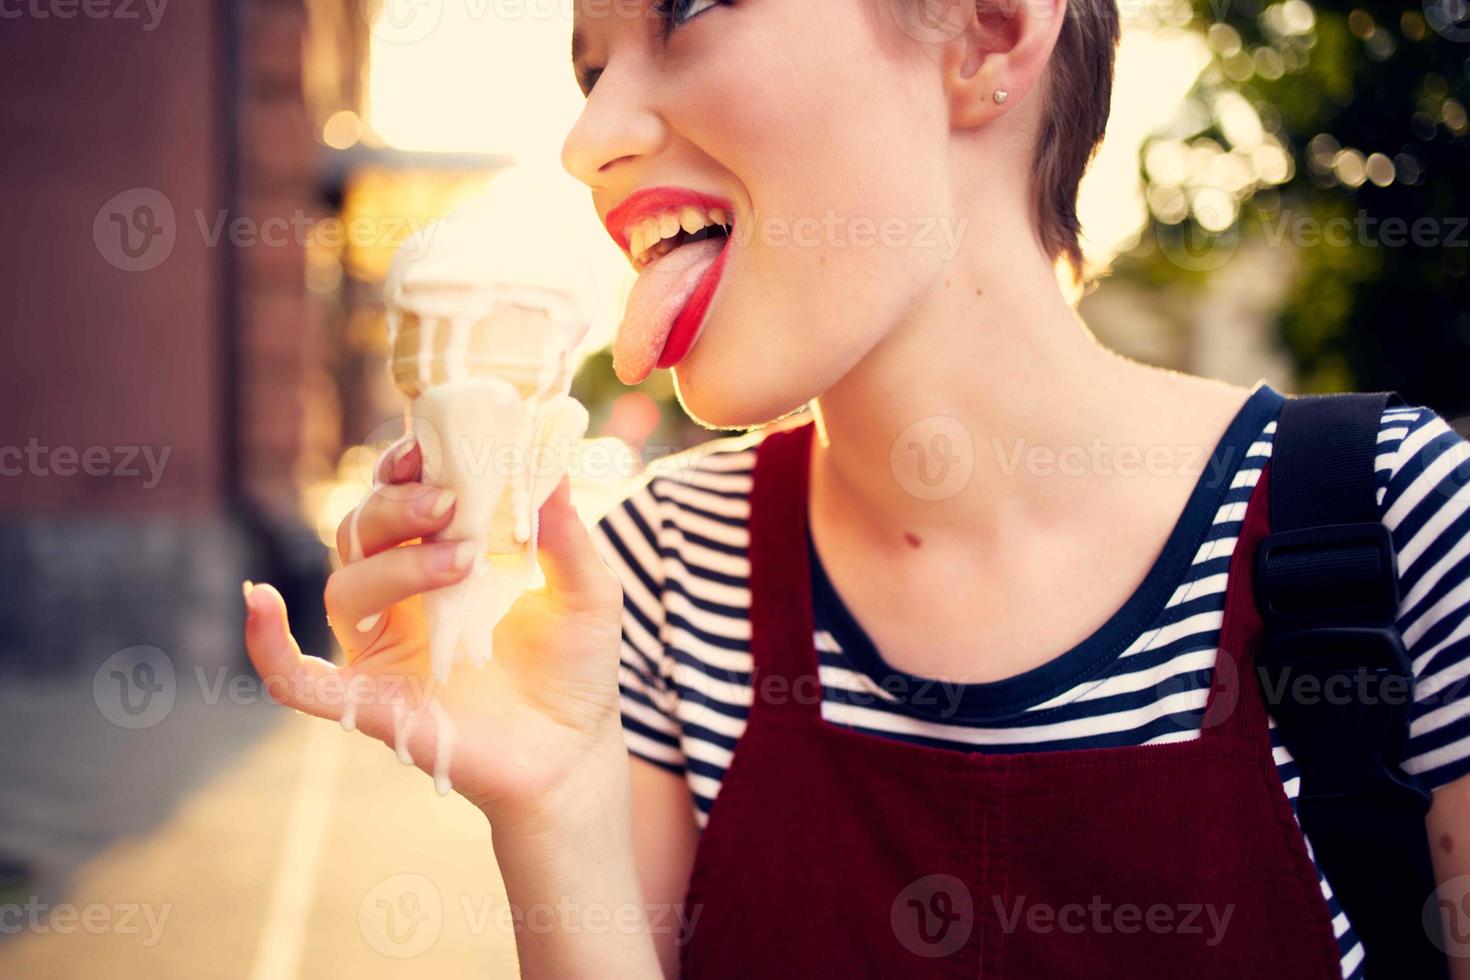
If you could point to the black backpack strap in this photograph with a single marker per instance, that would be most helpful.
(1338, 681)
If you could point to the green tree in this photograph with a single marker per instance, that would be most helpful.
(1358, 159)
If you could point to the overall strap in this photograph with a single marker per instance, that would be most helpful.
(1336, 677)
(784, 676)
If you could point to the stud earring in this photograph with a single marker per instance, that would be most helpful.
(1000, 96)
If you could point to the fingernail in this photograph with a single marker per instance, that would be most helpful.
(366, 624)
(435, 506)
(455, 559)
(401, 452)
(246, 588)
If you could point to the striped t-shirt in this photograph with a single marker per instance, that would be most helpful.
(679, 542)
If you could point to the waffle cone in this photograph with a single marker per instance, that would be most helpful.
(511, 343)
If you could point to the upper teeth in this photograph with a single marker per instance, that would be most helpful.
(647, 236)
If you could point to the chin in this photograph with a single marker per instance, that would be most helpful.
(724, 387)
(724, 402)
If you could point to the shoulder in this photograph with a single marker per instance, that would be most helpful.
(1414, 442)
(1423, 469)
(719, 469)
(695, 501)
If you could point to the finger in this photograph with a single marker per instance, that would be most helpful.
(290, 678)
(391, 515)
(575, 574)
(401, 463)
(393, 707)
(358, 593)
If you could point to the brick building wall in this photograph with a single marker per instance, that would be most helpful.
(140, 322)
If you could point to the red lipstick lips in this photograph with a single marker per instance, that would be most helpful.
(668, 305)
(654, 200)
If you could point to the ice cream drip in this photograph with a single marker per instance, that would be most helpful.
(481, 340)
(484, 319)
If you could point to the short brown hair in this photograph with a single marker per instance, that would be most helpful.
(1079, 94)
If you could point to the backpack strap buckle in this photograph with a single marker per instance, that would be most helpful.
(1332, 666)
(1329, 574)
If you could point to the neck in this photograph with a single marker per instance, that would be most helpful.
(928, 433)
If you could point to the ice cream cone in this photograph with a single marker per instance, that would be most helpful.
(487, 366)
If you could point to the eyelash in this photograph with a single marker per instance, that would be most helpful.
(665, 11)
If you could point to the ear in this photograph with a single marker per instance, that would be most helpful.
(1004, 48)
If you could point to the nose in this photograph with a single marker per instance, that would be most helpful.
(615, 129)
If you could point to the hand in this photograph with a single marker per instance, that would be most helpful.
(536, 726)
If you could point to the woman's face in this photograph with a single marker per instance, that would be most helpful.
(827, 134)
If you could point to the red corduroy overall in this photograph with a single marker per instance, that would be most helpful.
(833, 853)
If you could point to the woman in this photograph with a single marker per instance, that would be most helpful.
(1006, 548)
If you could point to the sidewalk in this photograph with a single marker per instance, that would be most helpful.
(235, 841)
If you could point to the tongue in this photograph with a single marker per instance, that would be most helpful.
(656, 299)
